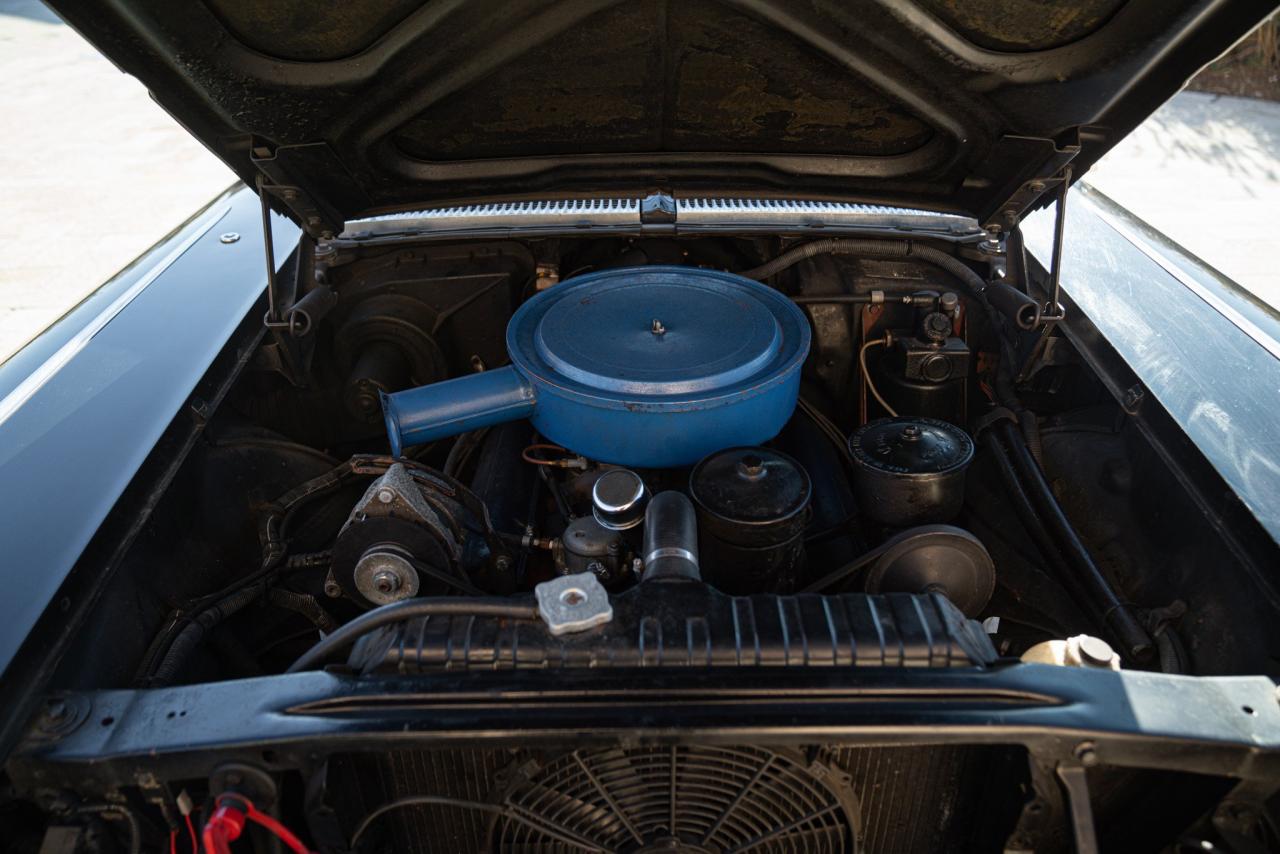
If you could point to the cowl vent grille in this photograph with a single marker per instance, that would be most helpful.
(556, 214)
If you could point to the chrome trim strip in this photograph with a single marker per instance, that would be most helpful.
(1244, 324)
(572, 213)
(790, 213)
(699, 213)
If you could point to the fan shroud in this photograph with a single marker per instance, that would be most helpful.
(699, 799)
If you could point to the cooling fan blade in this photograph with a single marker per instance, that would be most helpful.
(677, 799)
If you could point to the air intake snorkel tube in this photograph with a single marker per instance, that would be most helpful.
(671, 539)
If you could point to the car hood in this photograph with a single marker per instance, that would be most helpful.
(350, 109)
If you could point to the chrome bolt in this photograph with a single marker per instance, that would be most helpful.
(386, 581)
(386, 496)
(229, 237)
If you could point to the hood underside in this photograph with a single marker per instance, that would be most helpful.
(348, 109)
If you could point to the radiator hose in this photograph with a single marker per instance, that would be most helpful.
(1112, 612)
(875, 249)
(409, 609)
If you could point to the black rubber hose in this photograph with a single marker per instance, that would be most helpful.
(123, 813)
(1031, 522)
(304, 604)
(409, 609)
(953, 265)
(872, 248)
(190, 637)
(1115, 615)
(828, 246)
(1173, 656)
(1014, 304)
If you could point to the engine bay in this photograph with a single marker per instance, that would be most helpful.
(533, 420)
(553, 457)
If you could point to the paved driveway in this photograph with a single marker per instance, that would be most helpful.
(94, 173)
(1205, 170)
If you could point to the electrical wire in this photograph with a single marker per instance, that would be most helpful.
(186, 629)
(447, 314)
(828, 429)
(464, 448)
(493, 809)
(409, 609)
(569, 460)
(227, 823)
(415, 801)
(866, 375)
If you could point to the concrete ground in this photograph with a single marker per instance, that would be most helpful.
(94, 173)
(1205, 170)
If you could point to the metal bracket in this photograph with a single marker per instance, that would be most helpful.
(285, 169)
(658, 208)
(1077, 788)
(1026, 191)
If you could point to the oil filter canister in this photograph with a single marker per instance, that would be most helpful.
(910, 471)
(753, 507)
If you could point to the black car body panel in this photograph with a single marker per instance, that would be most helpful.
(933, 104)
(95, 393)
(1225, 404)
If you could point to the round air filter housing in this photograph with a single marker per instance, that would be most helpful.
(644, 366)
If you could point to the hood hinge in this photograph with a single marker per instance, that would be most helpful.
(318, 219)
(1032, 192)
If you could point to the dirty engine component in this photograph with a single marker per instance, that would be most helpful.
(753, 506)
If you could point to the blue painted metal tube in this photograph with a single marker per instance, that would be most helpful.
(455, 406)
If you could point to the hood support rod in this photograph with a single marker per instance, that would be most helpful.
(1053, 311)
(272, 319)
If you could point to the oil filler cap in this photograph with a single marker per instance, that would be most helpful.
(619, 499)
